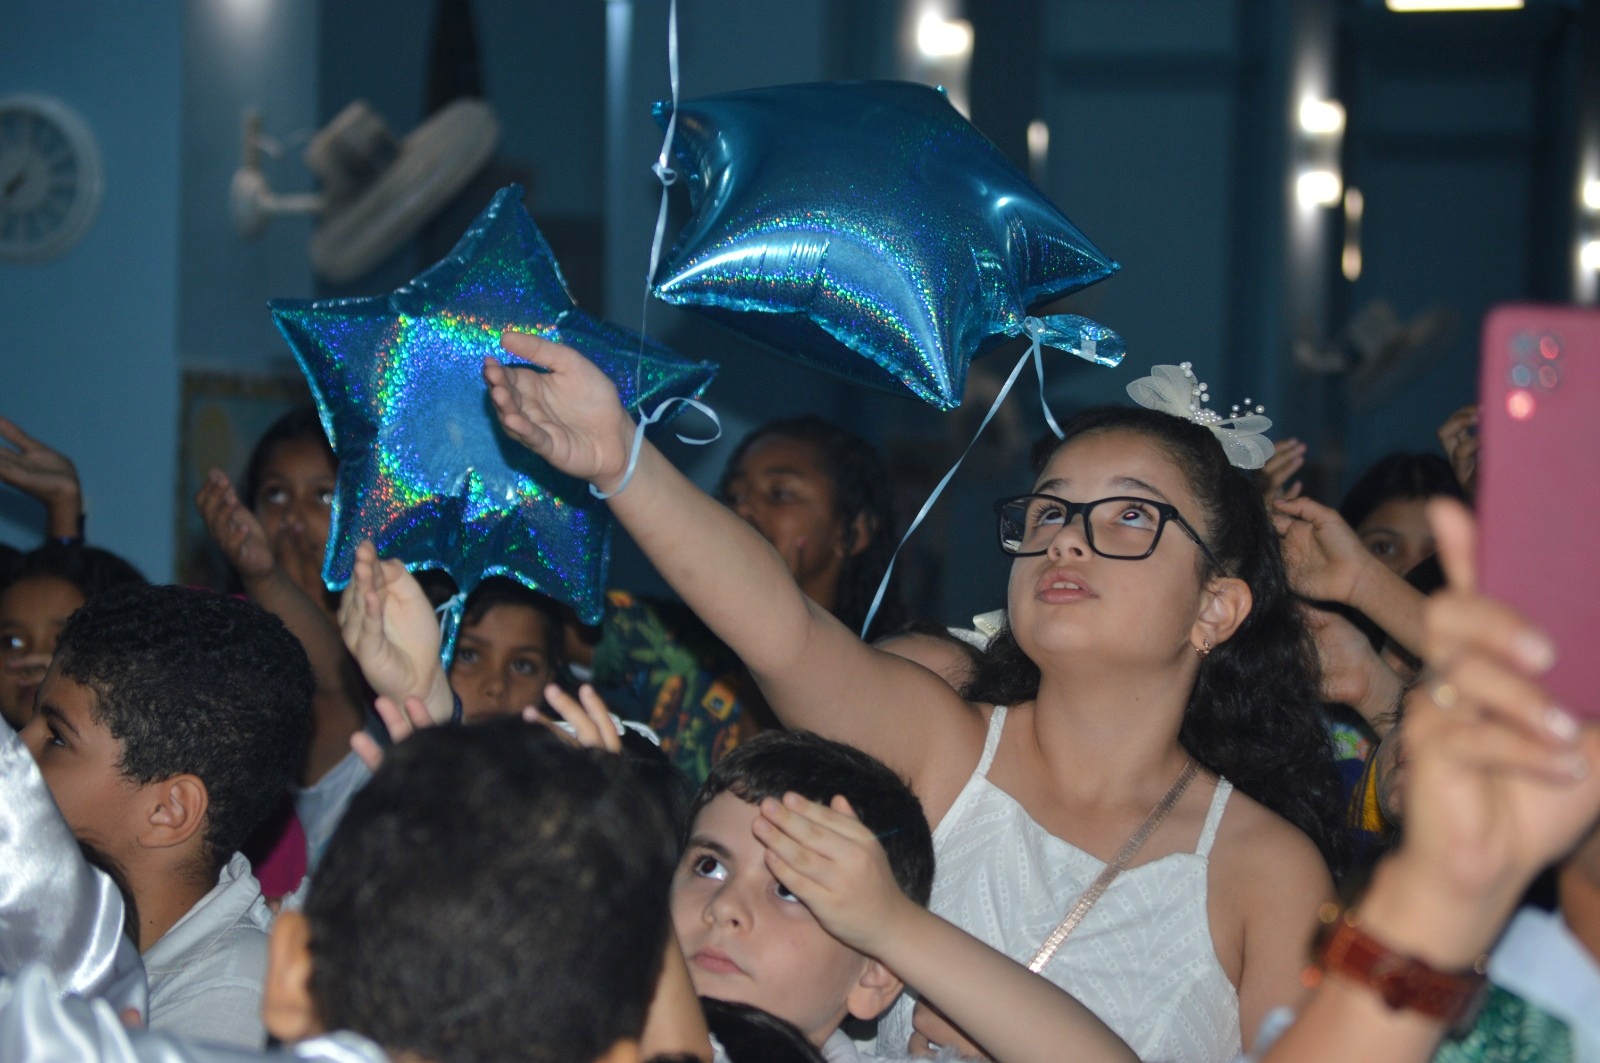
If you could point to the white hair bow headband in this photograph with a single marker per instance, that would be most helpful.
(1174, 389)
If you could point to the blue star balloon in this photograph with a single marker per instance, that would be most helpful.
(425, 470)
(869, 230)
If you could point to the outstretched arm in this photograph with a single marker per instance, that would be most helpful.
(834, 864)
(337, 704)
(815, 673)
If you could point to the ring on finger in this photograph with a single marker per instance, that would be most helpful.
(1444, 694)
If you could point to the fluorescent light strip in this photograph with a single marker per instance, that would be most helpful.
(1453, 5)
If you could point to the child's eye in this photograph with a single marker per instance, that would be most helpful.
(709, 867)
(52, 738)
(527, 666)
(325, 496)
(273, 496)
(784, 894)
(12, 644)
(466, 655)
(1136, 516)
(1043, 512)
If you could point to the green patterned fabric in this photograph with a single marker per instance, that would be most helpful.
(1510, 1030)
(691, 689)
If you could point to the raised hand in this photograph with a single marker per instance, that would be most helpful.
(1459, 438)
(570, 415)
(1288, 458)
(234, 529)
(1353, 673)
(402, 721)
(586, 720)
(35, 469)
(1501, 780)
(389, 628)
(825, 856)
(1325, 558)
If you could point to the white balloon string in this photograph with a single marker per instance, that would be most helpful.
(1033, 327)
(667, 176)
(1032, 353)
(638, 440)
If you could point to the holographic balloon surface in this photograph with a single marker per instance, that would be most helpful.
(424, 470)
(867, 229)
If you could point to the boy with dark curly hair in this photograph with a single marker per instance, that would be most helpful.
(167, 728)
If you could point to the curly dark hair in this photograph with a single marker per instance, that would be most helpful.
(299, 423)
(774, 763)
(88, 568)
(1251, 716)
(192, 682)
(1398, 476)
(541, 941)
(861, 487)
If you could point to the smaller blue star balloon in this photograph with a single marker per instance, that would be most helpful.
(867, 229)
(425, 470)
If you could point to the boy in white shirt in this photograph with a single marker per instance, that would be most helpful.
(167, 727)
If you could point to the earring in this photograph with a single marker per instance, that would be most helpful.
(1204, 647)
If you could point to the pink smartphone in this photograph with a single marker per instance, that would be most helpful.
(1539, 483)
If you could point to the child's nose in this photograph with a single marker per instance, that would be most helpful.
(1072, 538)
(727, 908)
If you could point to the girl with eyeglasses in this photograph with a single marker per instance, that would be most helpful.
(1152, 663)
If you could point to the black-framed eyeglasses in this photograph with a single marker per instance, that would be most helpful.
(1123, 527)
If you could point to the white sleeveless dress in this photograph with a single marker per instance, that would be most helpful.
(1142, 959)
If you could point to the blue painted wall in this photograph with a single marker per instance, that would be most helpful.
(88, 343)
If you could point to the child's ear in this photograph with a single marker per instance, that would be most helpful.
(177, 811)
(858, 533)
(286, 1005)
(873, 992)
(1226, 605)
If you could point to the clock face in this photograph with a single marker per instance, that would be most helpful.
(50, 178)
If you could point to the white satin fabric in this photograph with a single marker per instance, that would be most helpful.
(56, 911)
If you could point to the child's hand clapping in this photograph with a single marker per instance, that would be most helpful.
(234, 529)
(34, 469)
(826, 857)
(389, 628)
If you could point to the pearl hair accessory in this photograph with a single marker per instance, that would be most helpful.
(1176, 390)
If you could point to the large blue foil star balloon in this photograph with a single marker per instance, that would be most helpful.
(425, 471)
(868, 229)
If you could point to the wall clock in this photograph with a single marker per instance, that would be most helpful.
(51, 179)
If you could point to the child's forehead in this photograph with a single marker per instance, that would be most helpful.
(725, 821)
(510, 621)
(72, 699)
(33, 596)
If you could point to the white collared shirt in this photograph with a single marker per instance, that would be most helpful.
(206, 973)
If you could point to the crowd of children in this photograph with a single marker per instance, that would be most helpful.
(1110, 823)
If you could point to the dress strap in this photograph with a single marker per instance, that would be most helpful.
(1219, 801)
(991, 741)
